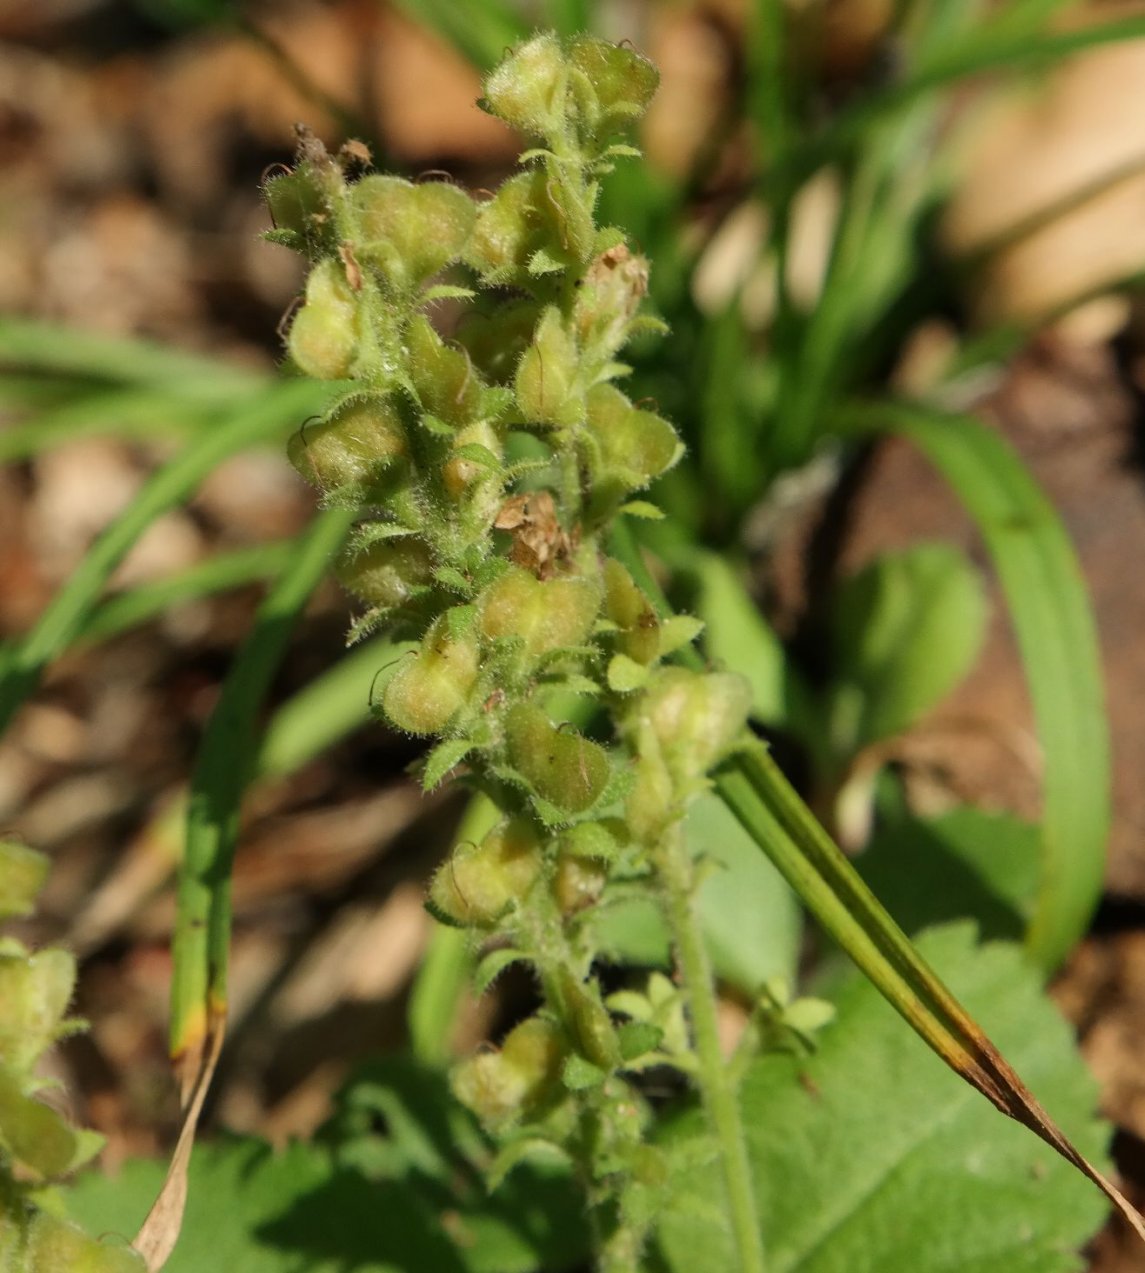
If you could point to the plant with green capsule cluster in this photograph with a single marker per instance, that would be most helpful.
(487, 472)
(38, 1147)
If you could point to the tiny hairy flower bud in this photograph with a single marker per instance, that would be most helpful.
(527, 89)
(323, 338)
(500, 1087)
(22, 875)
(360, 438)
(695, 717)
(546, 381)
(479, 882)
(427, 691)
(578, 882)
(609, 296)
(472, 471)
(562, 766)
(387, 572)
(622, 83)
(35, 990)
(549, 615)
(445, 379)
(632, 612)
(299, 204)
(410, 232)
(635, 446)
(590, 1025)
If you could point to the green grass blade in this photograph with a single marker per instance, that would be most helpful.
(1054, 626)
(270, 415)
(481, 32)
(223, 769)
(219, 574)
(28, 345)
(570, 17)
(144, 413)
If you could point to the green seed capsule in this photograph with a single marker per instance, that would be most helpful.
(635, 446)
(501, 1087)
(354, 445)
(323, 338)
(527, 89)
(546, 381)
(578, 882)
(549, 615)
(388, 572)
(55, 1245)
(563, 767)
(525, 223)
(480, 882)
(620, 81)
(426, 692)
(695, 717)
(445, 379)
(410, 232)
(593, 1033)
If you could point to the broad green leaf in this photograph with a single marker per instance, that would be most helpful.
(868, 1159)
(392, 1185)
(905, 630)
(965, 864)
(751, 920)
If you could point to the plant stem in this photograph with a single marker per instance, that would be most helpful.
(716, 1086)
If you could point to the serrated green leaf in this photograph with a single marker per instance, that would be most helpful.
(905, 630)
(578, 1075)
(391, 1186)
(869, 1156)
(442, 759)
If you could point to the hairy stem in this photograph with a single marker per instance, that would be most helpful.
(717, 1088)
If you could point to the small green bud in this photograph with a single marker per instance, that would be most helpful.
(695, 716)
(360, 438)
(56, 1246)
(563, 767)
(35, 991)
(501, 1087)
(410, 232)
(578, 882)
(480, 882)
(427, 691)
(609, 295)
(613, 84)
(546, 381)
(635, 446)
(323, 338)
(299, 204)
(627, 606)
(593, 1033)
(445, 379)
(22, 875)
(527, 90)
(387, 572)
(549, 615)
(472, 471)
